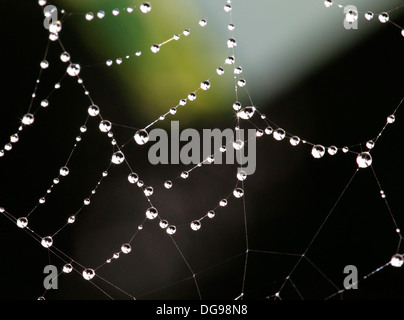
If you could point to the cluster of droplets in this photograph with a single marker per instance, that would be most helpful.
(144, 8)
(352, 15)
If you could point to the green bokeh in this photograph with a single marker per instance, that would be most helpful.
(154, 83)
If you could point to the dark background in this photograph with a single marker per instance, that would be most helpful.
(344, 103)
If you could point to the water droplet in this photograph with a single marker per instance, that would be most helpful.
(345, 149)
(171, 229)
(148, 191)
(220, 71)
(71, 219)
(173, 111)
(192, 96)
(105, 126)
(41, 298)
(227, 8)
(44, 64)
(230, 60)
(238, 70)
(41, 2)
(364, 160)
(119, 60)
(268, 130)
(231, 43)
(56, 181)
(100, 14)
(205, 85)
(89, 16)
(64, 171)
(126, 248)
(294, 141)
(370, 144)
(238, 192)
(168, 184)
(86, 201)
(332, 150)
(28, 119)
(186, 32)
(115, 255)
(391, 118)
(397, 260)
(351, 16)
(318, 151)
(88, 274)
(73, 69)
(22, 222)
(67, 268)
(53, 36)
(182, 102)
(151, 213)
(222, 149)
(42, 200)
(328, 3)
(195, 225)
(241, 83)
(140, 183)
(184, 174)
(133, 177)
(241, 175)
(104, 173)
(384, 17)
(83, 129)
(14, 138)
(155, 48)
(145, 7)
(246, 113)
(238, 145)
(279, 134)
(109, 62)
(141, 137)
(118, 157)
(223, 203)
(47, 242)
(44, 103)
(93, 110)
(369, 15)
(211, 214)
(236, 106)
(65, 57)
(115, 12)
(163, 224)
(203, 22)
(231, 27)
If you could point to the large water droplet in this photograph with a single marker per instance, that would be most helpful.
(195, 225)
(118, 157)
(171, 229)
(28, 119)
(126, 248)
(238, 192)
(133, 177)
(141, 137)
(397, 260)
(22, 222)
(318, 151)
(105, 126)
(246, 113)
(93, 110)
(279, 134)
(88, 274)
(64, 171)
(364, 160)
(145, 7)
(205, 85)
(47, 242)
(73, 69)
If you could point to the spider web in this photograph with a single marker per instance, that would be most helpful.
(300, 222)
